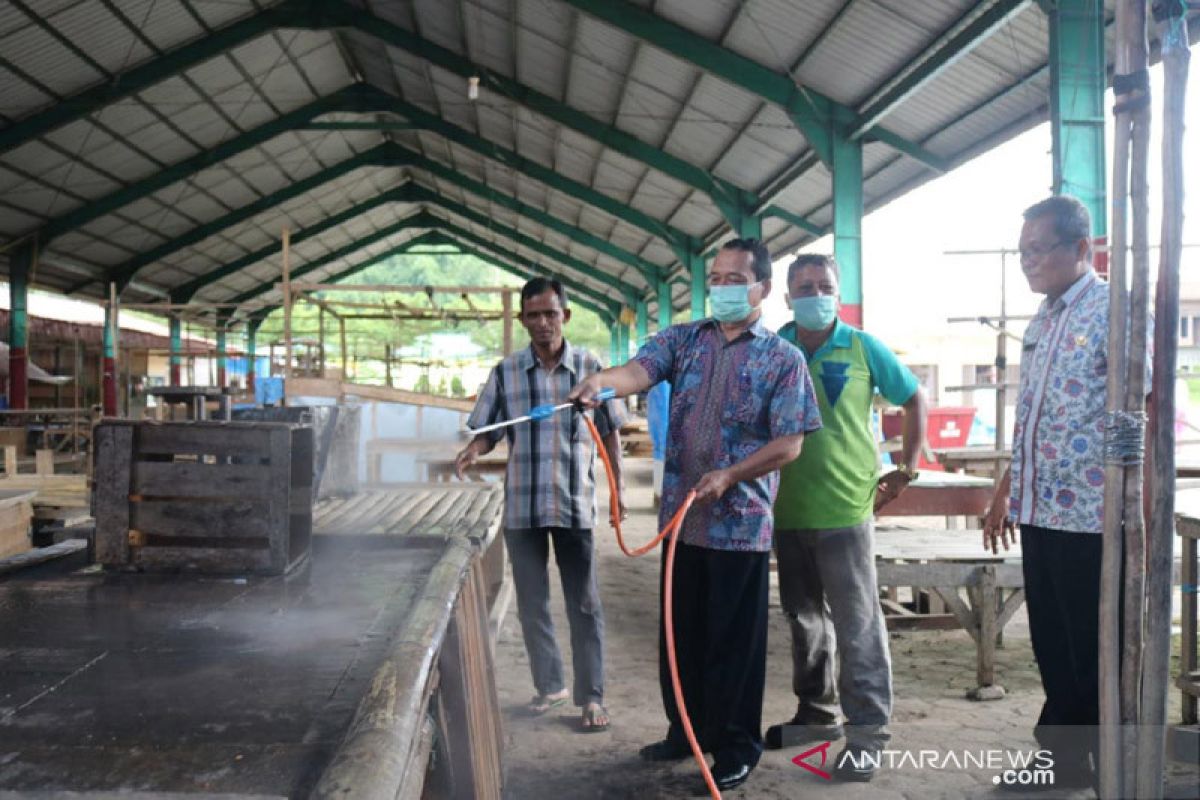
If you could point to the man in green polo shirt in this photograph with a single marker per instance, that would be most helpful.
(823, 524)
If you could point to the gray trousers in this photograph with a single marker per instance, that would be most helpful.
(827, 588)
(529, 552)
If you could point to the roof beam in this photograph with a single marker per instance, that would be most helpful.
(388, 154)
(184, 292)
(373, 100)
(125, 272)
(812, 111)
(337, 13)
(408, 193)
(434, 236)
(963, 36)
(299, 118)
(724, 194)
(647, 269)
(146, 74)
(358, 99)
(421, 219)
(420, 193)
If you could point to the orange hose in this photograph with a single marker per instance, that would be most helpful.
(672, 530)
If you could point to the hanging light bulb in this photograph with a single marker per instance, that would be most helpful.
(473, 87)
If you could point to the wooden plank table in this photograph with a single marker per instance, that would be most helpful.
(337, 680)
(440, 468)
(469, 510)
(196, 399)
(953, 561)
(1187, 526)
(942, 494)
(981, 461)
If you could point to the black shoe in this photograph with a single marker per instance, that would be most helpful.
(665, 750)
(795, 733)
(857, 763)
(732, 776)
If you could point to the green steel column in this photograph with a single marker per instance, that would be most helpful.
(251, 347)
(847, 224)
(109, 363)
(643, 322)
(176, 350)
(18, 325)
(699, 284)
(1077, 81)
(614, 345)
(738, 212)
(664, 305)
(221, 352)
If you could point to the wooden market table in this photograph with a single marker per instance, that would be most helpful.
(981, 461)
(196, 400)
(942, 494)
(981, 590)
(1187, 526)
(338, 679)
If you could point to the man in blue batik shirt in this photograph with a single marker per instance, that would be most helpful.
(741, 403)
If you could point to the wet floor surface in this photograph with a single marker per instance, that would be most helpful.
(185, 683)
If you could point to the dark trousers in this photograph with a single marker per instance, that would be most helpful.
(720, 616)
(529, 551)
(1062, 594)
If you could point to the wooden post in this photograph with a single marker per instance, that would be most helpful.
(506, 303)
(321, 340)
(44, 462)
(345, 363)
(387, 364)
(1134, 595)
(1116, 756)
(1157, 655)
(10, 460)
(287, 309)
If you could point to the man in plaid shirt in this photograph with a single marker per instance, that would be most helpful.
(550, 496)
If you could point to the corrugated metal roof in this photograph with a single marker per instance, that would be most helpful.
(620, 88)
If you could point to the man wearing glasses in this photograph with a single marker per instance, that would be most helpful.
(741, 404)
(1054, 489)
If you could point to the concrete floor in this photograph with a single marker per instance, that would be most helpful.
(546, 758)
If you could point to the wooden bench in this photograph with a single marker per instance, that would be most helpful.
(981, 591)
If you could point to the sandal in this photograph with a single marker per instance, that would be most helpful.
(595, 718)
(541, 703)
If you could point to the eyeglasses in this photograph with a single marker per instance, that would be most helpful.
(1040, 251)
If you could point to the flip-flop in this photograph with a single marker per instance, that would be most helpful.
(588, 724)
(541, 703)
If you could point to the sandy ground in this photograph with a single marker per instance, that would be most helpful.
(546, 758)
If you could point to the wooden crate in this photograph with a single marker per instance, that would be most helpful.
(16, 510)
(222, 497)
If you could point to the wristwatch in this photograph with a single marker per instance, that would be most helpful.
(911, 474)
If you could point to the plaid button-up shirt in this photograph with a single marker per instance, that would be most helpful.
(551, 477)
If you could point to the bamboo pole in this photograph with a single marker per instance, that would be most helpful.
(1156, 665)
(1134, 594)
(1109, 763)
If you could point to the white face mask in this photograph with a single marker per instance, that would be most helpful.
(731, 303)
(815, 313)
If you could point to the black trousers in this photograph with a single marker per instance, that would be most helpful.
(1062, 594)
(720, 616)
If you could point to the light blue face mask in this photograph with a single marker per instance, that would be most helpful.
(731, 303)
(815, 313)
